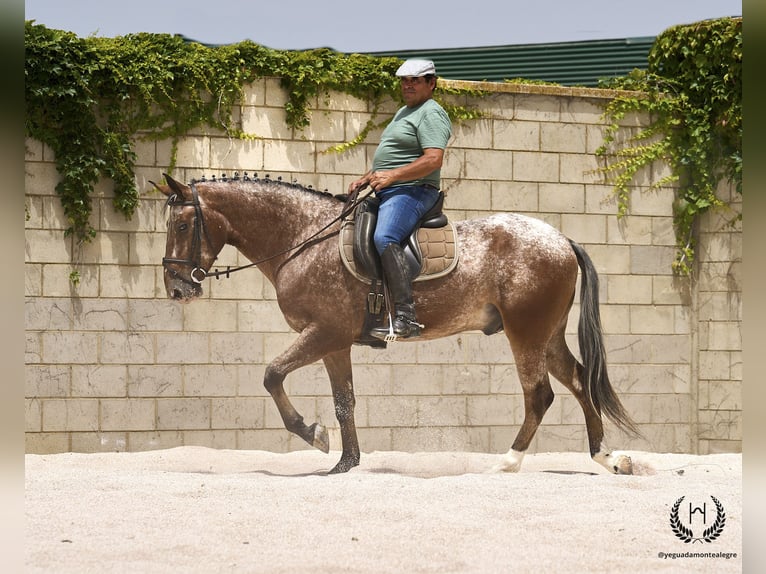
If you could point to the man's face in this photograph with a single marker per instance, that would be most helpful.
(415, 90)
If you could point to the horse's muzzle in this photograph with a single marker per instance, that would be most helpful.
(181, 290)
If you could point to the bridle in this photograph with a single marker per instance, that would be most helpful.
(200, 230)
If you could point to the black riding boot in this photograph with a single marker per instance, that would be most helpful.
(397, 274)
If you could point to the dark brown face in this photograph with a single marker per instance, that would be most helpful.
(190, 248)
(182, 277)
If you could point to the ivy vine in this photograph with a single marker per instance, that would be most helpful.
(90, 99)
(692, 91)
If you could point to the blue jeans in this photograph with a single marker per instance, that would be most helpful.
(401, 207)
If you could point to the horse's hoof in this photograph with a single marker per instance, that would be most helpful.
(321, 439)
(615, 463)
(511, 462)
(623, 465)
(344, 465)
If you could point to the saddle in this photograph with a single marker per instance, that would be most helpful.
(431, 252)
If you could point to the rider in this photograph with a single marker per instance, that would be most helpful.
(405, 175)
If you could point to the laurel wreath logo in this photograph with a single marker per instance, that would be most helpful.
(687, 535)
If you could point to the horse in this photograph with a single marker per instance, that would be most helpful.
(516, 275)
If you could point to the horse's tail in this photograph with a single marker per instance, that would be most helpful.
(596, 380)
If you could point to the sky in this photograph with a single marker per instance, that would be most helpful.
(357, 26)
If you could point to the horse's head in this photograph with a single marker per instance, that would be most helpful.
(193, 242)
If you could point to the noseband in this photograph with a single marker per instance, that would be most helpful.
(198, 230)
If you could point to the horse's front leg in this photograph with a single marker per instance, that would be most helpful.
(305, 350)
(339, 369)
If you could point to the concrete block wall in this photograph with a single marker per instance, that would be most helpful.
(114, 365)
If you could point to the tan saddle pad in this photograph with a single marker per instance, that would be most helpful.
(439, 249)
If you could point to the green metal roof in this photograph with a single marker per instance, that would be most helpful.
(567, 63)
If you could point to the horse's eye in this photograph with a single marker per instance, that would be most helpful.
(183, 227)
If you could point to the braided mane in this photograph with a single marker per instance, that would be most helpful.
(270, 182)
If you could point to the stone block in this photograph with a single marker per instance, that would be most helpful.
(724, 336)
(489, 165)
(392, 412)
(146, 248)
(264, 124)
(155, 381)
(578, 168)
(609, 260)
(237, 413)
(126, 348)
(155, 315)
(217, 439)
(47, 380)
(648, 319)
(100, 315)
(235, 155)
(466, 379)
(236, 348)
(469, 195)
(582, 111)
(155, 440)
(537, 108)
(127, 281)
(99, 381)
(33, 415)
(289, 156)
(215, 316)
(210, 380)
(625, 289)
(192, 152)
(183, 413)
(182, 348)
(563, 137)
(535, 166)
(514, 196)
(720, 395)
(46, 443)
(46, 246)
(648, 349)
(56, 280)
(516, 136)
(494, 410)
(69, 415)
(441, 411)
(417, 379)
(562, 198)
(47, 314)
(651, 260)
(65, 347)
(584, 228)
(99, 442)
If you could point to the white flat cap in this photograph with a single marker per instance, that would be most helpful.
(416, 68)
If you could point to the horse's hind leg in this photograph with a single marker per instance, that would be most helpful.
(538, 396)
(569, 372)
(339, 369)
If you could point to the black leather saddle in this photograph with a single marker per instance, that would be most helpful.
(366, 256)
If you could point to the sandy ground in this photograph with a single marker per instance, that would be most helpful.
(194, 509)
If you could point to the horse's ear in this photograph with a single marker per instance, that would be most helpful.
(163, 188)
(173, 187)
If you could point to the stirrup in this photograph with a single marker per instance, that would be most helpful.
(392, 337)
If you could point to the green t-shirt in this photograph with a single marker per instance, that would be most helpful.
(410, 132)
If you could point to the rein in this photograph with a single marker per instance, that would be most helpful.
(353, 200)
